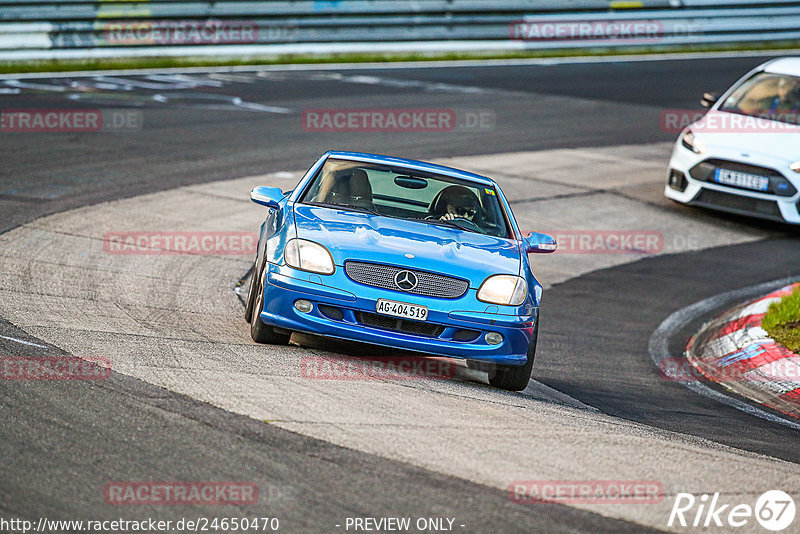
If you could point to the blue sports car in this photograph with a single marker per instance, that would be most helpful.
(403, 254)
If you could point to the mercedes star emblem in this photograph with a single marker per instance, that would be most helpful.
(405, 280)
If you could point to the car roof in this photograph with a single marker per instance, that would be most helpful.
(784, 65)
(412, 164)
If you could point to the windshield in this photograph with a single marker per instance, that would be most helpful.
(407, 194)
(767, 95)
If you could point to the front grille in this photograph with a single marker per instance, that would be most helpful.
(778, 184)
(396, 324)
(738, 204)
(428, 284)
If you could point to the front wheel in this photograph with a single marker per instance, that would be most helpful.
(516, 378)
(251, 293)
(260, 332)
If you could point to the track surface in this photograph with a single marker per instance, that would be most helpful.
(592, 323)
(624, 307)
(182, 142)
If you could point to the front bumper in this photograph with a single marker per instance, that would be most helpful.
(724, 198)
(448, 319)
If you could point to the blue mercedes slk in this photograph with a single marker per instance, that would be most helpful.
(403, 254)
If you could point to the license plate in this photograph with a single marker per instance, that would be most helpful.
(741, 179)
(402, 309)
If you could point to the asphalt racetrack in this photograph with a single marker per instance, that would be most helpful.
(578, 147)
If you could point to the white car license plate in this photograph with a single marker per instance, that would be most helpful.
(741, 179)
(402, 309)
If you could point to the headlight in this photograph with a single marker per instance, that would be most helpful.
(308, 256)
(795, 166)
(689, 141)
(503, 289)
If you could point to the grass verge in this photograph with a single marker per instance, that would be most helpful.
(69, 65)
(782, 321)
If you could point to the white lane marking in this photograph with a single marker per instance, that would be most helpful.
(173, 87)
(112, 86)
(228, 102)
(394, 82)
(24, 342)
(184, 79)
(231, 78)
(169, 85)
(261, 107)
(659, 343)
(37, 86)
(638, 58)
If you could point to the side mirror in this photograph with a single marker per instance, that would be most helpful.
(709, 99)
(266, 196)
(536, 242)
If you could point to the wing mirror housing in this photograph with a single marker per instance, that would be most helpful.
(266, 196)
(539, 243)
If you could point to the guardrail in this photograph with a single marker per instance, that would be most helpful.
(70, 28)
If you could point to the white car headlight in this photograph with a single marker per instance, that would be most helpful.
(308, 256)
(503, 289)
(692, 143)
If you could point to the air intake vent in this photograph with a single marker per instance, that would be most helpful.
(417, 328)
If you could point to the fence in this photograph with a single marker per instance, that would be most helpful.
(70, 28)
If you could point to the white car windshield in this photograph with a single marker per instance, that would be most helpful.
(408, 194)
(767, 95)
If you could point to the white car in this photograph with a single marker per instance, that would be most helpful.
(743, 155)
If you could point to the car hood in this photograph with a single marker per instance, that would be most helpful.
(762, 139)
(372, 238)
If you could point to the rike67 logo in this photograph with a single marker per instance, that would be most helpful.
(774, 510)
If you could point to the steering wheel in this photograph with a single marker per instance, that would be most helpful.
(465, 223)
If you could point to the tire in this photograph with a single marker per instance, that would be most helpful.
(516, 378)
(251, 294)
(260, 332)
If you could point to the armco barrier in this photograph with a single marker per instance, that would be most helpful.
(69, 28)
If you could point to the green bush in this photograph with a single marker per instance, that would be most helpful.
(782, 321)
